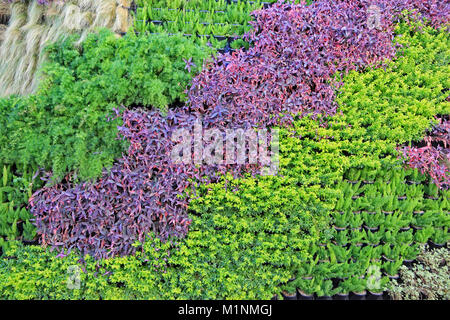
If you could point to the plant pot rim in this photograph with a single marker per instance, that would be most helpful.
(342, 294)
(376, 293)
(287, 294)
(304, 294)
(438, 244)
(324, 297)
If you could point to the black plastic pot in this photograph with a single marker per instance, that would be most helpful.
(373, 229)
(304, 296)
(324, 298)
(374, 296)
(335, 282)
(275, 297)
(436, 245)
(30, 242)
(341, 296)
(220, 38)
(339, 228)
(289, 296)
(405, 228)
(358, 295)
(395, 277)
(408, 263)
(417, 227)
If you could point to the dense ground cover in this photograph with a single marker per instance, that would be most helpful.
(252, 236)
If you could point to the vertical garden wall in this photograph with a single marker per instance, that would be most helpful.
(88, 179)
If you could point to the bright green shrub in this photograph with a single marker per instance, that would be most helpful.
(65, 126)
(247, 235)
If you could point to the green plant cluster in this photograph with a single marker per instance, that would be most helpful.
(201, 19)
(380, 238)
(428, 279)
(64, 126)
(15, 189)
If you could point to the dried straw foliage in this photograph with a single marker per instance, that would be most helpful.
(32, 27)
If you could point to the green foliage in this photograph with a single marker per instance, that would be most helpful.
(353, 284)
(65, 127)
(15, 189)
(259, 229)
(202, 20)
